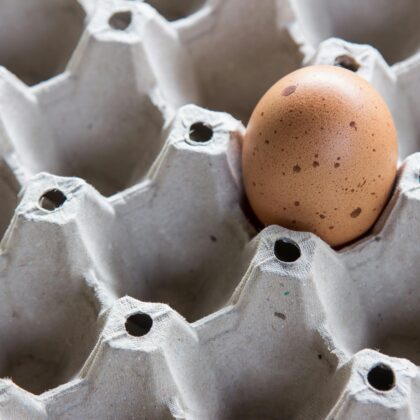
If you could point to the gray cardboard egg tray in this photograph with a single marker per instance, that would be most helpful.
(133, 284)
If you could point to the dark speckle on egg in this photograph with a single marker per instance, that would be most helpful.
(356, 212)
(289, 90)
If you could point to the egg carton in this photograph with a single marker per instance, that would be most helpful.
(135, 281)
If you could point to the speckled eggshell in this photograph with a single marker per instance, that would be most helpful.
(320, 154)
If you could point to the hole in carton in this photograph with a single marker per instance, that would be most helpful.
(286, 250)
(381, 377)
(52, 199)
(175, 10)
(394, 32)
(38, 37)
(347, 62)
(120, 20)
(138, 324)
(200, 132)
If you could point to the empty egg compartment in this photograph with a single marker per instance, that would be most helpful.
(105, 133)
(39, 37)
(174, 11)
(391, 28)
(239, 51)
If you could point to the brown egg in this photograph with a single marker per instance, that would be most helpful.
(320, 154)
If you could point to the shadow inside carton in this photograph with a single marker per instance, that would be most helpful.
(398, 339)
(9, 190)
(235, 71)
(113, 144)
(46, 345)
(194, 291)
(265, 399)
(394, 31)
(38, 37)
(175, 10)
(194, 278)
